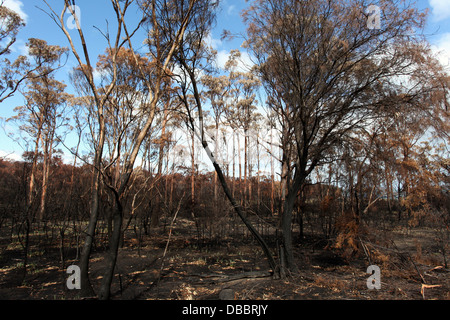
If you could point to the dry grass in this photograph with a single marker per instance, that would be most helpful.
(331, 282)
(323, 274)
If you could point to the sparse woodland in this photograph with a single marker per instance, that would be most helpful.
(329, 154)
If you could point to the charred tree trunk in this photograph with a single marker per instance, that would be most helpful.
(86, 287)
(111, 258)
(286, 219)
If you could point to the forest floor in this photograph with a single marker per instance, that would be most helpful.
(411, 269)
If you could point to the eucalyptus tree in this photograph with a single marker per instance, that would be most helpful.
(11, 72)
(97, 97)
(40, 118)
(330, 72)
(157, 16)
(43, 112)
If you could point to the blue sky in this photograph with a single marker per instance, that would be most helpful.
(95, 12)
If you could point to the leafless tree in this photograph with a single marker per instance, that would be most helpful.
(330, 74)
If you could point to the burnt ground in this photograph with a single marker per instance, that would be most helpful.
(411, 269)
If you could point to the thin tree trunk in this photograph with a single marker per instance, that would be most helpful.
(26, 247)
(240, 166)
(283, 182)
(45, 178)
(31, 185)
(111, 258)
(245, 166)
(192, 174)
(286, 220)
(216, 153)
(234, 164)
(86, 287)
(162, 142)
(272, 176)
(171, 186)
(258, 188)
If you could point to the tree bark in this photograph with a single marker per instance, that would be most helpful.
(239, 164)
(86, 287)
(245, 166)
(286, 220)
(234, 164)
(31, 185)
(216, 154)
(111, 258)
(192, 174)
(48, 153)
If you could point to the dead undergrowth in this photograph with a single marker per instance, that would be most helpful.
(410, 269)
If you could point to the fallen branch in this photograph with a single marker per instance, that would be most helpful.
(424, 286)
(227, 278)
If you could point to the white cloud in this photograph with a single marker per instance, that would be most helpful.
(98, 74)
(222, 58)
(16, 5)
(245, 62)
(10, 156)
(231, 9)
(213, 42)
(442, 50)
(441, 9)
(20, 47)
